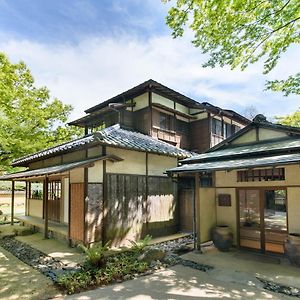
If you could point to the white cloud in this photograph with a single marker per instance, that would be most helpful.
(98, 68)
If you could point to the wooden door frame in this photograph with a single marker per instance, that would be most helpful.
(261, 190)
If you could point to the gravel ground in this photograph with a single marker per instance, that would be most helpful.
(20, 281)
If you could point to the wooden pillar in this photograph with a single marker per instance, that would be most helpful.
(85, 225)
(104, 199)
(26, 198)
(12, 202)
(147, 192)
(46, 206)
(197, 214)
(69, 212)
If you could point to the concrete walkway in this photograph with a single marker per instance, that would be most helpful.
(19, 281)
(233, 277)
(177, 283)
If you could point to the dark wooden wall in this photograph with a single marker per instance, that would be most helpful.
(200, 135)
(94, 213)
(131, 214)
(141, 120)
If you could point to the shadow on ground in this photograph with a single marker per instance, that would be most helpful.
(178, 283)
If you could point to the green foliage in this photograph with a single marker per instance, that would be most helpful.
(291, 120)
(118, 267)
(95, 254)
(29, 120)
(241, 32)
(288, 86)
(139, 246)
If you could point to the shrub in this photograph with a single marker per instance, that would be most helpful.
(120, 266)
(95, 254)
(140, 245)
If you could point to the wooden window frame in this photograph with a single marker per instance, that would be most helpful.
(274, 174)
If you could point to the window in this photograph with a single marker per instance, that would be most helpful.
(228, 130)
(216, 127)
(165, 121)
(235, 129)
(206, 180)
(261, 175)
(36, 190)
(182, 127)
(54, 190)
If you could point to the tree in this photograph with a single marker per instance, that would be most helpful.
(250, 112)
(29, 119)
(241, 32)
(290, 120)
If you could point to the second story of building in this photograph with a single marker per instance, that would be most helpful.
(158, 111)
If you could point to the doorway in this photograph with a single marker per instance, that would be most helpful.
(263, 219)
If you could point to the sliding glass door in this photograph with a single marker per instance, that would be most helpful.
(275, 220)
(262, 219)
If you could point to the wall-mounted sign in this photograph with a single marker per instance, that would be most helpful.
(224, 200)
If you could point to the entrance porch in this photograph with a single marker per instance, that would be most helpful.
(54, 228)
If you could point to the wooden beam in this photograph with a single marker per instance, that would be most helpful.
(46, 180)
(197, 214)
(12, 202)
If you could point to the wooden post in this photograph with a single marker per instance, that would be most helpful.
(46, 206)
(85, 225)
(12, 202)
(197, 214)
(69, 212)
(104, 200)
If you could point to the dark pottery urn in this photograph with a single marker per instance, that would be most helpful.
(222, 238)
(292, 248)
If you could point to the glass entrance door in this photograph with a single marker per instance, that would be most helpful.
(275, 220)
(262, 219)
(250, 219)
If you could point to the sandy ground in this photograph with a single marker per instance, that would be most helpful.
(19, 281)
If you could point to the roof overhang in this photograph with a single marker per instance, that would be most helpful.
(235, 164)
(58, 169)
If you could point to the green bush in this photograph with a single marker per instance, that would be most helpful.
(139, 246)
(120, 266)
(95, 254)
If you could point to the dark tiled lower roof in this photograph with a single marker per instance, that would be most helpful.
(114, 136)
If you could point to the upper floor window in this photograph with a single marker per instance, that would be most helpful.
(223, 129)
(261, 175)
(182, 127)
(216, 127)
(166, 121)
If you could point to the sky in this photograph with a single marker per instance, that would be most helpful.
(86, 51)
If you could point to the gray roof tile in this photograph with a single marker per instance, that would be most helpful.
(114, 136)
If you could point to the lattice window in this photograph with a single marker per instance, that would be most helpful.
(261, 175)
(54, 190)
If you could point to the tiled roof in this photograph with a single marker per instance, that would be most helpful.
(58, 168)
(278, 146)
(114, 136)
(232, 164)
